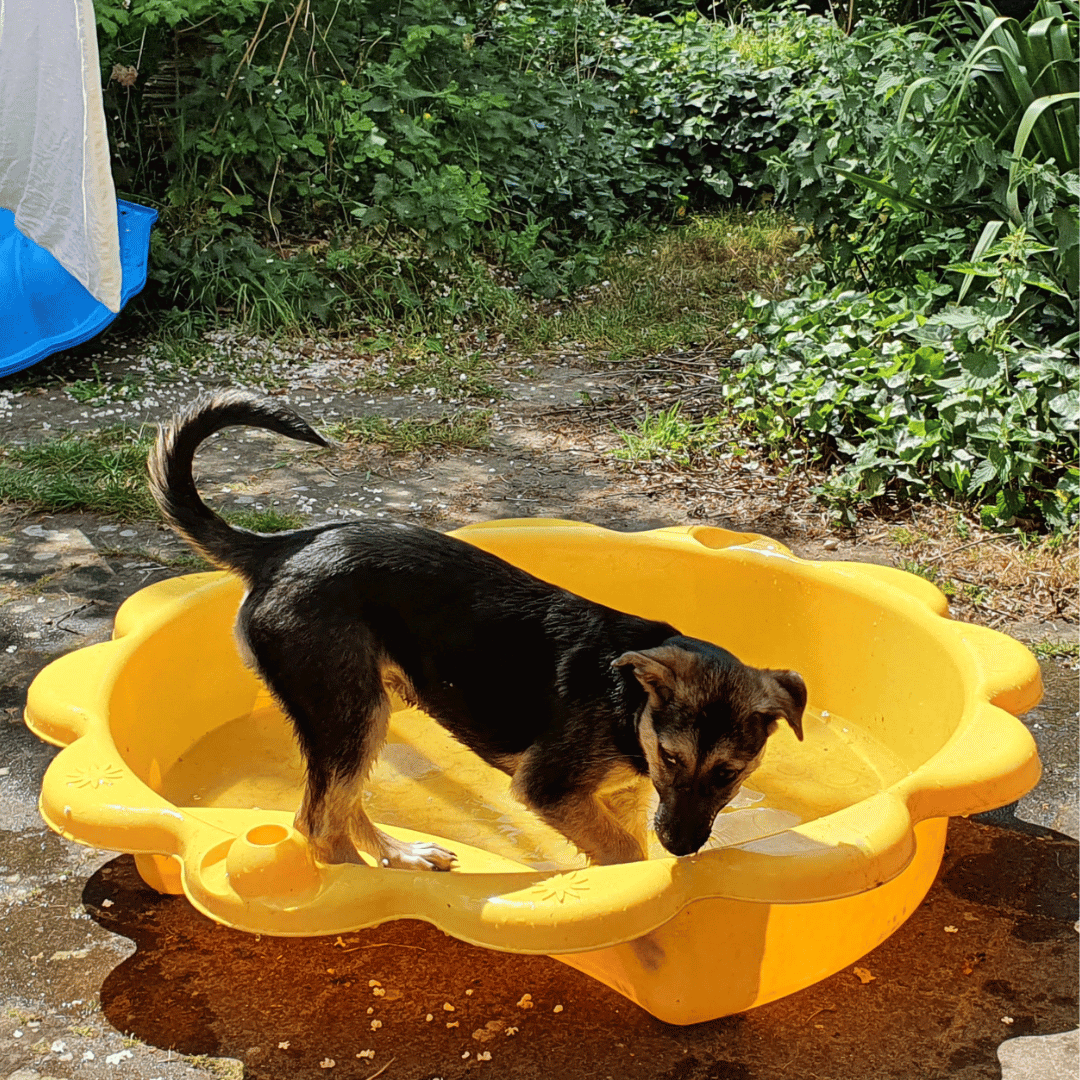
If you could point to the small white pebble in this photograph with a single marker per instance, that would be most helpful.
(951, 930)
(526, 1002)
(447, 1007)
(327, 1063)
(511, 1031)
(378, 991)
(465, 1055)
(370, 1010)
(454, 1023)
(106, 903)
(1006, 1019)
(375, 1025)
(366, 1054)
(429, 1018)
(283, 1045)
(485, 1056)
(558, 1008)
(468, 993)
(374, 982)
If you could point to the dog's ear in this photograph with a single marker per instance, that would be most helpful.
(789, 700)
(656, 670)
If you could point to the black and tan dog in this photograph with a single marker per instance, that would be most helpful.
(574, 700)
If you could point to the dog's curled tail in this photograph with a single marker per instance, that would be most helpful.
(173, 487)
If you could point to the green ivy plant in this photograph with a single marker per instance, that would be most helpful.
(898, 397)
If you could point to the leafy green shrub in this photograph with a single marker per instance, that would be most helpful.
(901, 399)
(710, 99)
(455, 126)
(912, 141)
(845, 120)
(936, 166)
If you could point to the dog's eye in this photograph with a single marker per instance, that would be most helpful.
(670, 760)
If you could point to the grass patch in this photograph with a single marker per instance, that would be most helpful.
(1048, 649)
(434, 370)
(263, 521)
(669, 436)
(100, 389)
(103, 472)
(462, 431)
(678, 289)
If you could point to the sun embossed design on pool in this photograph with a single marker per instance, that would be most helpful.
(175, 752)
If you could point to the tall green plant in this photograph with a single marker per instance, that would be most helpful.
(1007, 115)
(1020, 81)
(1028, 73)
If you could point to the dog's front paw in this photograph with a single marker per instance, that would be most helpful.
(420, 856)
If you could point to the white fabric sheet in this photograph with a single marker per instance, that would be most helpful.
(54, 154)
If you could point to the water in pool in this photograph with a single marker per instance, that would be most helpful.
(425, 780)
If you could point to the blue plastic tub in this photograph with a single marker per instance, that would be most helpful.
(43, 309)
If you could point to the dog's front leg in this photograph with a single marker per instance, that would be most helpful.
(581, 816)
(583, 819)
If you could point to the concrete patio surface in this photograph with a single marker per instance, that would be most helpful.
(102, 977)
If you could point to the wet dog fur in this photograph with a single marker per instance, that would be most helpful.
(577, 702)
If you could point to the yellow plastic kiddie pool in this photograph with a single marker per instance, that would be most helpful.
(175, 751)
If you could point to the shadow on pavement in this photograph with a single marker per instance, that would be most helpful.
(990, 955)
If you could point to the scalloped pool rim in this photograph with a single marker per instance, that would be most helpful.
(866, 849)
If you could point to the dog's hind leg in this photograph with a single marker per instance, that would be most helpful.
(333, 693)
(325, 814)
(332, 814)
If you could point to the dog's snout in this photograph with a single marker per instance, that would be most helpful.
(679, 835)
(686, 845)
